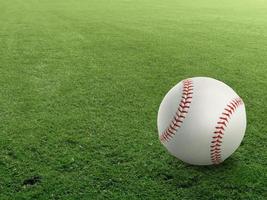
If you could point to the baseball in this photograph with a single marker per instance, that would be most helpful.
(201, 121)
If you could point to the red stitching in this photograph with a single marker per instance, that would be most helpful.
(215, 152)
(231, 107)
(218, 132)
(226, 114)
(181, 112)
(217, 136)
(215, 147)
(228, 110)
(219, 128)
(224, 118)
(223, 123)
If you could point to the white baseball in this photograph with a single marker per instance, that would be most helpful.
(201, 121)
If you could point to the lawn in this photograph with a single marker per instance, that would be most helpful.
(80, 86)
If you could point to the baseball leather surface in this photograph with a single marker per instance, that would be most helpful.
(201, 121)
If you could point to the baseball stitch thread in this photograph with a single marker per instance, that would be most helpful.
(180, 113)
(215, 147)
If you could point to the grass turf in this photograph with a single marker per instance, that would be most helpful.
(81, 82)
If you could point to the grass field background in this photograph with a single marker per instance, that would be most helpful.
(80, 86)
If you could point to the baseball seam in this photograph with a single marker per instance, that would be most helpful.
(216, 143)
(181, 112)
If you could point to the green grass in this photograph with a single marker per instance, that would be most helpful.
(80, 86)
